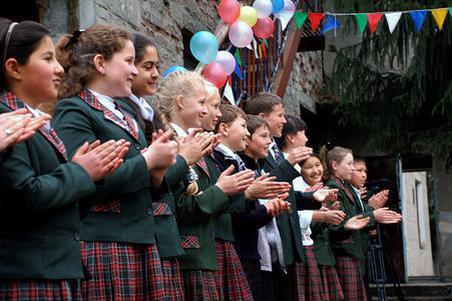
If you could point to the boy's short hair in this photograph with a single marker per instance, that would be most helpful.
(358, 159)
(262, 103)
(253, 122)
(229, 113)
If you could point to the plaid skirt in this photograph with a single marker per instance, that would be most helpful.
(40, 290)
(308, 285)
(120, 271)
(200, 285)
(172, 279)
(330, 282)
(230, 277)
(352, 284)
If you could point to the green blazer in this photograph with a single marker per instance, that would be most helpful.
(346, 242)
(165, 225)
(196, 218)
(39, 212)
(288, 223)
(123, 208)
(322, 246)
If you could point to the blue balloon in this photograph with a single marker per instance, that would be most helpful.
(204, 46)
(278, 5)
(173, 69)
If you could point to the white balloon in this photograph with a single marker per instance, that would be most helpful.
(240, 34)
(263, 7)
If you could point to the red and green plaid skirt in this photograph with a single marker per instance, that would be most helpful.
(121, 271)
(31, 290)
(330, 282)
(230, 277)
(308, 285)
(172, 279)
(200, 285)
(352, 284)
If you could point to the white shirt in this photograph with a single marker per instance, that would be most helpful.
(146, 111)
(109, 103)
(36, 113)
(358, 193)
(271, 149)
(180, 132)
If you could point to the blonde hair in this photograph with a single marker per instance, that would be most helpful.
(76, 51)
(336, 153)
(211, 91)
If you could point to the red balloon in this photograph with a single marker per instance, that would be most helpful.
(215, 74)
(229, 10)
(264, 27)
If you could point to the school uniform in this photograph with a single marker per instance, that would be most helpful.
(231, 279)
(349, 250)
(39, 216)
(288, 225)
(118, 232)
(166, 232)
(195, 216)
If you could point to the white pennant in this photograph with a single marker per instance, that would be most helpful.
(229, 94)
(392, 19)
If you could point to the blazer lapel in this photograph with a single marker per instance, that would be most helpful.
(126, 124)
(347, 191)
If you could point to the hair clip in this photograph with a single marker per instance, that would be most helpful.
(329, 145)
(76, 34)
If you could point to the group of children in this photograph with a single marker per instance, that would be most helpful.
(193, 199)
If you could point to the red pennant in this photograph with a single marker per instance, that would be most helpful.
(373, 20)
(314, 19)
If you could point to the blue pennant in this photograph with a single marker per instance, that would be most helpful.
(418, 18)
(330, 23)
(238, 72)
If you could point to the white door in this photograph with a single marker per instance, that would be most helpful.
(416, 226)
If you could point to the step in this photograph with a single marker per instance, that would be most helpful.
(417, 291)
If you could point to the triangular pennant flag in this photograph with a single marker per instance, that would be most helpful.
(238, 72)
(361, 19)
(450, 11)
(237, 57)
(228, 93)
(440, 15)
(418, 18)
(373, 20)
(330, 23)
(393, 20)
(265, 42)
(315, 19)
(300, 18)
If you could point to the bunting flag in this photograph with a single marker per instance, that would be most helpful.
(238, 72)
(300, 18)
(439, 15)
(314, 19)
(361, 19)
(450, 11)
(418, 18)
(392, 19)
(330, 23)
(373, 20)
(227, 93)
(238, 59)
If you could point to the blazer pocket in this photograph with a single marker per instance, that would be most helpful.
(161, 208)
(189, 242)
(111, 206)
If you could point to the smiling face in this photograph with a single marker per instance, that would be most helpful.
(120, 71)
(344, 168)
(276, 120)
(235, 134)
(192, 107)
(145, 83)
(38, 80)
(259, 143)
(210, 120)
(312, 171)
(359, 174)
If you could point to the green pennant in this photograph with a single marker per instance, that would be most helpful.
(450, 11)
(237, 57)
(300, 18)
(265, 42)
(361, 19)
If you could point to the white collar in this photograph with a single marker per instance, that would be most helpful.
(147, 112)
(36, 113)
(226, 150)
(179, 131)
(108, 102)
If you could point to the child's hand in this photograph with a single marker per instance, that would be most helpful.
(232, 184)
(265, 187)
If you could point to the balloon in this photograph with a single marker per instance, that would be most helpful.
(264, 27)
(229, 10)
(227, 60)
(204, 46)
(288, 10)
(215, 74)
(263, 8)
(277, 5)
(240, 34)
(173, 69)
(248, 15)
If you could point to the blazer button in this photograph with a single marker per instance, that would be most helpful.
(149, 210)
(137, 146)
(77, 236)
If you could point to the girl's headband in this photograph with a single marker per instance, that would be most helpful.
(8, 37)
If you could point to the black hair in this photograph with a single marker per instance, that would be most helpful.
(293, 125)
(23, 41)
(140, 42)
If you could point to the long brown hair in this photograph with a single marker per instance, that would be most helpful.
(328, 155)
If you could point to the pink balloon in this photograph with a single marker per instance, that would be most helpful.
(229, 10)
(240, 34)
(227, 60)
(264, 27)
(215, 74)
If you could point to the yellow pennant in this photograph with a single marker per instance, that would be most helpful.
(440, 15)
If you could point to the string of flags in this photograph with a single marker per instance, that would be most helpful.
(371, 20)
